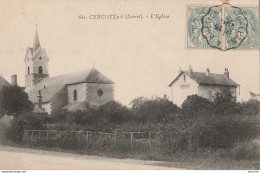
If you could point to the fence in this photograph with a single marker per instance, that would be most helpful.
(131, 140)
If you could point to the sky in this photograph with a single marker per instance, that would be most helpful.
(141, 56)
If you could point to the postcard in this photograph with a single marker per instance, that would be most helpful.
(129, 84)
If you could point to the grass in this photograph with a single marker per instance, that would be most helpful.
(247, 150)
(202, 159)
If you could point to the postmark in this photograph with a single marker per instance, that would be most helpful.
(222, 27)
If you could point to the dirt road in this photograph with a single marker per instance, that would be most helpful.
(31, 159)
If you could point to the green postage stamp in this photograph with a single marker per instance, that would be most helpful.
(222, 27)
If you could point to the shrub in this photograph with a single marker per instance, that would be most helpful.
(14, 101)
(225, 103)
(210, 132)
(70, 142)
(114, 112)
(247, 150)
(195, 105)
(153, 110)
(251, 107)
(25, 121)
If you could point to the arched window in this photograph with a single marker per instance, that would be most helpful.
(75, 95)
(40, 70)
(28, 70)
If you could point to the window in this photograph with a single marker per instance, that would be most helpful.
(184, 78)
(40, 58)
(40, 70)
(100, 93)
(75, 95)
(28, 70)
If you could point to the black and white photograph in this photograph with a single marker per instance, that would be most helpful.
(129, 85)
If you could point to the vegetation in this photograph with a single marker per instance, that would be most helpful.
(14, 101)
(198, 126)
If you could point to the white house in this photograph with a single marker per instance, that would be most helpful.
(204, 84)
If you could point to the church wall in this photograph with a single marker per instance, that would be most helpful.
(37, 63)
(47, 107)
(81, 92)
(92, 97)
(59, 100)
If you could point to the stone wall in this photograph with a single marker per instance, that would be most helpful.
(92, 93)
(81, 92)
(59, 100)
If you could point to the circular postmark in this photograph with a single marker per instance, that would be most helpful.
(224, 27)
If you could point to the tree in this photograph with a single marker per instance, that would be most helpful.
(195, 105)
(114, 112)
(14, 100)
(153, 110)
(26, 121)
(225, 103)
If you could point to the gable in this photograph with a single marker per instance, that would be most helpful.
(50, 86)
(3, 82)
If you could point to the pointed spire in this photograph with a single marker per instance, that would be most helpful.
(36, 43)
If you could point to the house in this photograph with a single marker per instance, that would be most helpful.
(204, 84)
(3, 82)
(73, 91)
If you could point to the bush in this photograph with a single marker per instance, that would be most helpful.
(155, 110)
(14, 101)
(114, 112)
(247, 150)
(251, 107)
(25, 121)
(195, 105)
(70, 142)
(209, 132)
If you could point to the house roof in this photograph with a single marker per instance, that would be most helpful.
(52, 85)
(3, 82)
(38, 110)
(36, 43)
(211, 79)
(74, 106)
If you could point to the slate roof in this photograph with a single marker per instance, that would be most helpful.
(38, 110)
(212, 79)
(3, 82)
(75, 106)
(36, 43)
(52, 85)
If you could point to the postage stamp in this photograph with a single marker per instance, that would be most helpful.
(222, 27)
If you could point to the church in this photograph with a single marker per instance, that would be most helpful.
(73, 91)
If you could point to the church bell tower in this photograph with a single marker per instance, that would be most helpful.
(36, 63)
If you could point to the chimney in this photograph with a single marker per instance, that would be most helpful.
(40, 99)
(226, 73)
(207, 72)
(14, 80)
(180, 70)
(190, 71)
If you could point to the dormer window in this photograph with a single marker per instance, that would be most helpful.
(40, 58)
